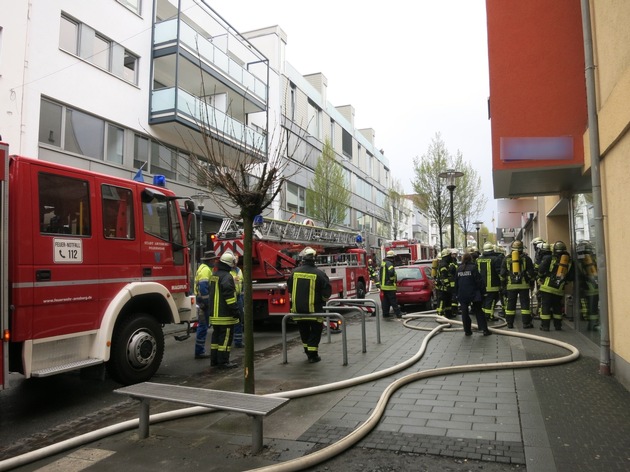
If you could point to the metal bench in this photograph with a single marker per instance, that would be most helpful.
(256, 406)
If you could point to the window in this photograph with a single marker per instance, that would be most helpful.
(163, 160)
(115, 142)
(66, 212)
(82, 41)
(118, 220)
(69, 35)
(84, 134)
(313, 120)
(133, 5)
(296, 198)
(346, 143)
(155, 218)
(140, 151)
(50, 123)
(292, 104)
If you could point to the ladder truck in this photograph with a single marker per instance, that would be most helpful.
(275, 248)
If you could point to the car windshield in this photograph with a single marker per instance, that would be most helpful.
(408, 273)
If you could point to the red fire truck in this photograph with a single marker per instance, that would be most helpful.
(91, 267)
(407, 251)
(275, 248)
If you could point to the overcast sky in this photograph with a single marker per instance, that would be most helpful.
(410, 69)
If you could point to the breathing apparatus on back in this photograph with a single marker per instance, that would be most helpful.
(517, 270)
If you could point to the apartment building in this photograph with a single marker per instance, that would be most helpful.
(121, 86)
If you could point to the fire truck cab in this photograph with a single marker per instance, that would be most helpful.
(91, 267)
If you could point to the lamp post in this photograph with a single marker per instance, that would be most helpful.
(477, 226)
(450, 175)
(199, 198)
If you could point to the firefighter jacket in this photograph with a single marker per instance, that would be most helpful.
(388, 275)
(489, 266)
(518, 279)
(554, 273)
(237, 275)
(309, 288)
(202, 281)
(222, 306)
(469, 286)
(447, 271)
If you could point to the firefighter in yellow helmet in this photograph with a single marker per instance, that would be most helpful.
(388, 286)
(310, 289)
(556, 269)
(586, 266)
(517, 273)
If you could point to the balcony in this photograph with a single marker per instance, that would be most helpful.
(207, 77)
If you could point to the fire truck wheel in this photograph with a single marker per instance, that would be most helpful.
(137, 349)
(361, 290)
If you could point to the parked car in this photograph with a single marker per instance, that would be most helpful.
(415, 286)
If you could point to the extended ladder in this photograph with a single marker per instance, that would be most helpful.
(277, 230)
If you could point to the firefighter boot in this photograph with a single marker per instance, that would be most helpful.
(527, 322)
(557, 324)
(544, 325)
(510, 321)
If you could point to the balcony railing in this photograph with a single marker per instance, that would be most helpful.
(166, 32)
(170, 101)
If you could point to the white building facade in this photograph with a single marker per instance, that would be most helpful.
(116, 86)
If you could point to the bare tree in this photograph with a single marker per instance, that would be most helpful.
(396, 203)
(431, 192)
(469, 201)
(242, 178)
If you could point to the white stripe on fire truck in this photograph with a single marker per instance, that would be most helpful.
(95, 281)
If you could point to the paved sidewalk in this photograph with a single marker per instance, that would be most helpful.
(559, 418)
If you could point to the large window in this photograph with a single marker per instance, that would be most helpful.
(296, 198)
(133, 5)
(66, 212)
(82, 41)
(83, 134)
(346, 143)
(314, 118)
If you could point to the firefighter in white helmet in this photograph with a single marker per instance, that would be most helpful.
(447, 272)
(310, 289)
(223, 312)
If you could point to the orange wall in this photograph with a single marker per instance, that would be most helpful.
(537, 85)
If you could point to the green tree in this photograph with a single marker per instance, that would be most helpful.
(431, 192)
(328, 196)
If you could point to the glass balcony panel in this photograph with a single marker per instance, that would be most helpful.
(165, 31)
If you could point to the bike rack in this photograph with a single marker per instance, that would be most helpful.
(339, 316)
(361, 303)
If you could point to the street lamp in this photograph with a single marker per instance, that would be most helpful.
(477, 226)
(450, 175)
(199, 198)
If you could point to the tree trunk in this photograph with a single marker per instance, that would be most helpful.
(248, 322)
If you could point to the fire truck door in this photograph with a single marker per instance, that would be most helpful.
(63, 254)
(4, 263)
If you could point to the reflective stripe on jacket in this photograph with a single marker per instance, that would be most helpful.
(388, 275)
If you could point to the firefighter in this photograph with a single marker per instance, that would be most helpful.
(539, 251)
(310, 289)
(554, 272)
(518, 274)
(489, 265)
(388, 286)
(446, 283)
(223, 311)
(373, 273)
(237, 275)
(202, 279)
(589, 287)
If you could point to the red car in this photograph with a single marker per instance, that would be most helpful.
(415, 286)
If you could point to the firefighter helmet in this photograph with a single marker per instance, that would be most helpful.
(488, 248)
(517, 246)
(227, 258)
(309, 253)
(537, 242)
(445, 252)
(545, 247)
(390, 253)
(559, 247)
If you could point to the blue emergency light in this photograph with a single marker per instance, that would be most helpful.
(159, 180)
